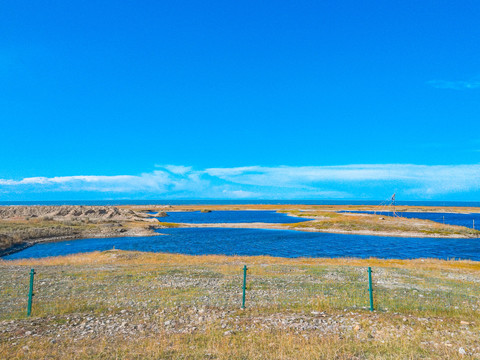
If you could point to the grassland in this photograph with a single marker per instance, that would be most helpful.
(162, 224)
(377, 225)
(132, 305)
(18, 231)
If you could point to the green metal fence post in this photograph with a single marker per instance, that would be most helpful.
(244, 285)
(30, 293)
(370, 288)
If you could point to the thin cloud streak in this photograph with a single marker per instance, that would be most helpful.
(455, 85)
(280, 182)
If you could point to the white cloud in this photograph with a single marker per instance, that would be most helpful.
(118, 183)
(239, 194)
(287, 182)
(293, 176)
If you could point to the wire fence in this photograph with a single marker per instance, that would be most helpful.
(63, 290)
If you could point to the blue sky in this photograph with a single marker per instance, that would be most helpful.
(281, 100)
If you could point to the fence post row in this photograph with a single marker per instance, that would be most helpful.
(244, 285)
(370, 288)
(30, 293)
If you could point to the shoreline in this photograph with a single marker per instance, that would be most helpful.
(134, 221)
(29, 243)
(119, 256)
(273, 226)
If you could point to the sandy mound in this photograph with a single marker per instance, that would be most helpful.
(67, 212)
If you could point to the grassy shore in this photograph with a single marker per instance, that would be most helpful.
(351, 223)
(327, 218)
(378, 225)
(21, 233)
(133, 305)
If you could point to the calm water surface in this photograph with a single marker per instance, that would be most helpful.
(227, 216)
(284, 243)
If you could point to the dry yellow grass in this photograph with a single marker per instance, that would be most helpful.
(378, 224)
(72, 289)
(143, 258)
(280, 345)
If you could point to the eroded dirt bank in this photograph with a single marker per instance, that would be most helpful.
(23, 226)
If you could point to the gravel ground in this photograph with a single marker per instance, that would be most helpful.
(135, 301)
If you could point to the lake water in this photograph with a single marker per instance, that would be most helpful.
(284, 243)
(227, 216)
(467, 220)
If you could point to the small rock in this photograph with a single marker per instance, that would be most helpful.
(28, 333)
(462, 351)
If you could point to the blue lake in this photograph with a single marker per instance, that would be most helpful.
(467, 220)
(228, 216)
(284, 243)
